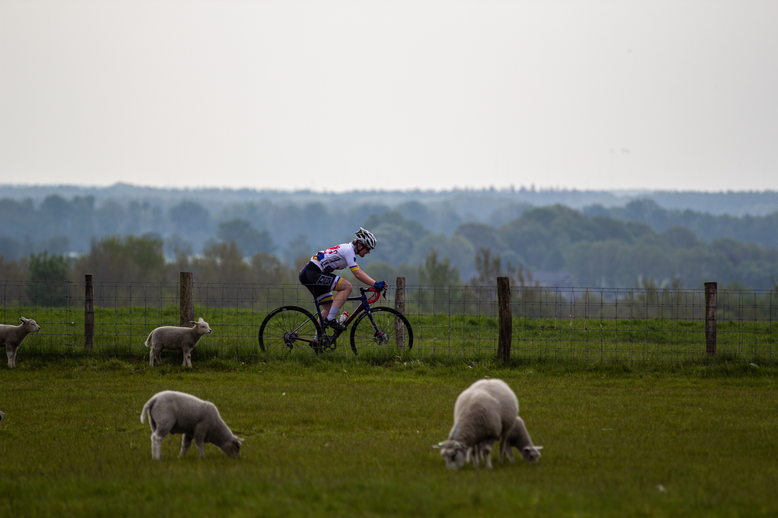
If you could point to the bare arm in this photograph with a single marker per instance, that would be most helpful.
(365, 278)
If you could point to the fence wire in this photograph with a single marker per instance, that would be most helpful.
(592, 324)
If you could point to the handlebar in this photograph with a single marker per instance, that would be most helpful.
(377, 294)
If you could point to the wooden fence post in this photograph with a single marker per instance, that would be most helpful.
(186, 299)
(89, 311)
(399, 305)
(505, 319)
(711, 296)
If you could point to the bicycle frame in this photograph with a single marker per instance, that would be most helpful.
(364, 306)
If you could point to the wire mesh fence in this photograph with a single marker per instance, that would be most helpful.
(592, 324)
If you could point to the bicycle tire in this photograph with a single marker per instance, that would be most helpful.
(394, 329)
(281, 327)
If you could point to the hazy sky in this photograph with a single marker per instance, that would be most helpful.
(340, 95)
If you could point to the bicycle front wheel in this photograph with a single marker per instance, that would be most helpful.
(391, 332)
(290, 330)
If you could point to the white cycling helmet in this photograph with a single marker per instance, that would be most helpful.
(365, 237)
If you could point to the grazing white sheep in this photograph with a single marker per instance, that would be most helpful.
(483, 413)
(12, 337)
(519, 438)
(176, 412)
(171, 337)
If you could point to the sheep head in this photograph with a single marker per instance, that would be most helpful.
(453, 452)
(531, 453)
(232, 449)
(202, 327)
(30, 325)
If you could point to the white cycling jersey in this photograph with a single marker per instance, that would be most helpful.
(337, 258)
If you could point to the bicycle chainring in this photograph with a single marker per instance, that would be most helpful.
(327, 343)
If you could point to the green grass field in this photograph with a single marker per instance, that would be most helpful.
(122, 332)
(347, 437)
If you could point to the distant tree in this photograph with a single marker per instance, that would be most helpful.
(414, 210)
(507, 213)
(456, 248)
(249, 240)
(57, 245)
(17, 218)
(680, 237)
(189, 216)
(221, 263)
(482, 236)
(255, 213)
(297, 248)
(82, 226)
(489, 267)
(124, 259)
(10, 248)
(175, 244)
(268, 269)
(48, 276)
(13, 270)
(109, 218)
(757, 274)
(396, 237)
(54, 217)
(438, 277)
(143, 217)
(438, 273)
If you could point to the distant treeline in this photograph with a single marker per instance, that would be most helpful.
(598, 245)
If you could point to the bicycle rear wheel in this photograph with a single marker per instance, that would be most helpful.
(392, 332)
(289, 330)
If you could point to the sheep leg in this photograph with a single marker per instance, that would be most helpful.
(187, 358)
(486, 450)
(156, 446)
(154, 351)
(509, 453)
(504, 449)
(11, 353)
(199, 438)
(485, 455)
(474, 452)
(200, 443)
(185, 443)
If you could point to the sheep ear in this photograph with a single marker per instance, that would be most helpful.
(437, 446)
(193, 322)
(538, 447)
(22, 319)
(238, 439)
(201, 320)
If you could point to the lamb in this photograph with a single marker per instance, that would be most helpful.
(171, 337)
(12, 337)
(483, 413)
(519, 438)
(176, 412)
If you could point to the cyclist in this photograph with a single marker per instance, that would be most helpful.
(317, 275)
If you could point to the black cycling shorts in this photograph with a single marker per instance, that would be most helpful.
(319, 283)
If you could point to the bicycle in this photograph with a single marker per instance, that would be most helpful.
(290, 327)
